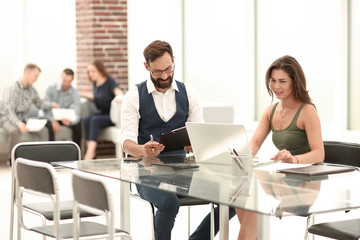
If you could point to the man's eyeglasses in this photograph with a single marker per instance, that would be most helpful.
(168, 71)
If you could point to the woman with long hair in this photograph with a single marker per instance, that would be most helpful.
(105, 90)
(294, 122)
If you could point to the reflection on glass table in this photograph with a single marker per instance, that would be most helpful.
(265, 192)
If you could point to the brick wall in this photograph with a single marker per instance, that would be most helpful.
(101, 34)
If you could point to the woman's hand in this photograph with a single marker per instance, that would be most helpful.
(118, 98)
(285, 156)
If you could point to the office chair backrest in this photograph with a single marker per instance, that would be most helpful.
(47, 151)
(90, 191)
(342, 153)
(36, 176)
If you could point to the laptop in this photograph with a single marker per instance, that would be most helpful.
(213, 142)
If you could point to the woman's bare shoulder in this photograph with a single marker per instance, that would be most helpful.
(309, 109)
(269, 109)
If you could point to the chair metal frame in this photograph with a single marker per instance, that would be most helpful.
(39, 178)
(84, 182)
(20, 190)
(66, 205)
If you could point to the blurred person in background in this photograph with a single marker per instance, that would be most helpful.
(62, 93)
(105, 90)
(15, 105)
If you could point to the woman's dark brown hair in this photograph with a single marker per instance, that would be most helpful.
(291, 66)
(101, 68)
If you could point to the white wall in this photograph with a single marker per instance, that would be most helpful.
(149, 21)
(354, 110)
(316, 36)
(38, 31)
(11, 48)
(219, 46)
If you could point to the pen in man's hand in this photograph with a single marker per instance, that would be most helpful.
(152, 139)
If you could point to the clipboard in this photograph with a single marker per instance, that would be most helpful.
(317, 170)
(177, 139)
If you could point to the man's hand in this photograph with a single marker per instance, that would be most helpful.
(55, 105)
(66, 121)
(55, 126)
(153, 148)
(23, 128)
(188, 148)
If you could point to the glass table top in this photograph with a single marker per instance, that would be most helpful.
(261, 189)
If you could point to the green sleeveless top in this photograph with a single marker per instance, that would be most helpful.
(291, 138)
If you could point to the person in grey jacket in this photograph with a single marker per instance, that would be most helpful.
(66, 97)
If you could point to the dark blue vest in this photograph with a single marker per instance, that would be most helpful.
(150, 121)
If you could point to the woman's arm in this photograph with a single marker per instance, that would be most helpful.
(261, 132)
(309, 120)
(88, 95)
(119, 95)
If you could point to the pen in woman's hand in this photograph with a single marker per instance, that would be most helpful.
(152, 139)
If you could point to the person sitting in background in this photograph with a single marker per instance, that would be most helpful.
(16, 102)
(105, 90)
(66, 97)
(294, 122)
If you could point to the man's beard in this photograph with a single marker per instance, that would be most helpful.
(162, 85)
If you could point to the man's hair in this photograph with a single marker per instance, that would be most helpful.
(31, 66)
(292, 67)
(68, 71)
(156, 49)
(101, 68)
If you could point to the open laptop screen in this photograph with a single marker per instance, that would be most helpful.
(211, 142)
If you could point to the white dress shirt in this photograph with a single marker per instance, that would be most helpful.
(165, 104)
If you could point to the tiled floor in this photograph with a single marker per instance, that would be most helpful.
(287, 228)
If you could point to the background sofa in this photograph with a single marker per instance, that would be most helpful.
(87, 107)
(213, 112)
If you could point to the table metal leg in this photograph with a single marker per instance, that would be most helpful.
(263, 229)
(125, 206)
(224, 222)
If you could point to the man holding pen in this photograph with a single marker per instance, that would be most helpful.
(157, 106)
(151, 140)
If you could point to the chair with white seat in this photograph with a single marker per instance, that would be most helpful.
(46, 151)
(92, 195)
